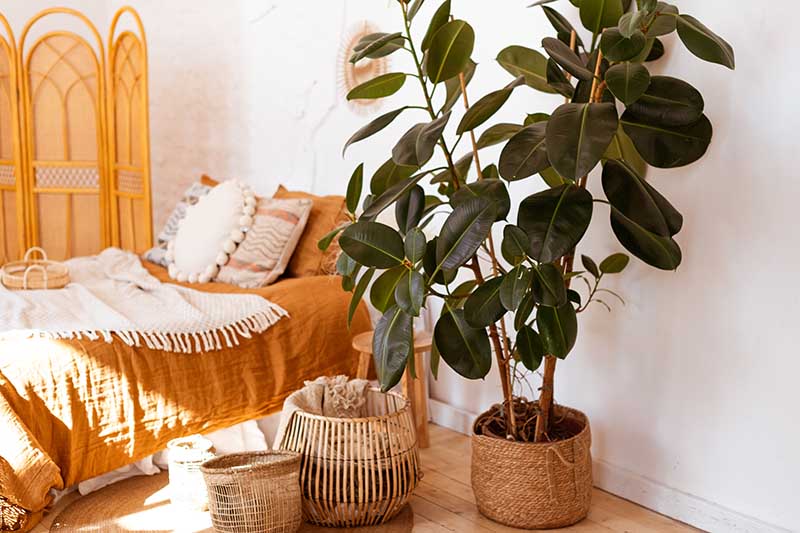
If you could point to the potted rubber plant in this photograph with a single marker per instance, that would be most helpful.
(516, 301)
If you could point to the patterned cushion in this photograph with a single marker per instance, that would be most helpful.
(156, 254)
(269, 244)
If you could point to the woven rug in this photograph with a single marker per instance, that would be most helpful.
(142, 505)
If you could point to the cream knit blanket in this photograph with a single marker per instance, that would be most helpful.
(112, 293)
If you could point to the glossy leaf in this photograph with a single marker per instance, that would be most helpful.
(515, 285)
(461, 166)
(566, 58)
(416, 146)
(516, 245)
(665, 20)
(577, 135)
(439, 276)
(453, 86)
(409, 208)
(590, 265)
(553, 178)
(484, 306)
(561, 25)
(439, 19)
(381, 294)
(354, 188)
(555, 220)
(630, 23)
(450, 51)
(668, 146)
(548, 286)
(525, 154)
(655, 250)
(380, 87)
(622, 148)
(599, 14)
(414, 9)
(373, 127)
(490, 172)
(392, 343)
(617, 47)
(530, 348)
(558, 327)
(628, 81)
(387, 175)
(614, 263)
(325, 242)
(372, 244)
(497, 134)
(415, 245)
(390, 196)
(483, 110)
(669, 101)
(465, 349)
(524, 311)
(372, 43)
(463, 232)
(362, 285)
(492, 190)
(558, 80)
(410, 292)
(528, 63)
(704, 43)
(656, 51)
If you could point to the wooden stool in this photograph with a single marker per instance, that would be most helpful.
(414, 389)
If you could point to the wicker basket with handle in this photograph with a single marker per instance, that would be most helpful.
(35, 273)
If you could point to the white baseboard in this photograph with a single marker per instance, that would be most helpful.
(626, 484)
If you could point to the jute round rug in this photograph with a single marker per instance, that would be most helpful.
(142, 505)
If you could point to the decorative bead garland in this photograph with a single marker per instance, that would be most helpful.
(237, 235)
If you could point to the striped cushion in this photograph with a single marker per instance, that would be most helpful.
(269, 244)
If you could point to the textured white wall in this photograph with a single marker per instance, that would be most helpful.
(691, 386)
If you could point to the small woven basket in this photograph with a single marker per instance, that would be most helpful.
(256, 492)
(356, 471)
(534, 485)
(35, 273)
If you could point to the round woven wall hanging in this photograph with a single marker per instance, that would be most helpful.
(350, 75)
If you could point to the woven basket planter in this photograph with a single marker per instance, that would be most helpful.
(356, 471)
(534, 486)
(254, 492)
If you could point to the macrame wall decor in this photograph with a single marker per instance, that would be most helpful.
(350, 75)
(74, 137)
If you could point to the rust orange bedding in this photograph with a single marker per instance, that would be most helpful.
(71, 410)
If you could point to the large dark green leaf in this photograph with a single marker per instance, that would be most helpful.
(442, 277)
(515, 246)
(530, 348)
(577, 135)
(453, 86)
(639, 201)
(416, 147)
(669, 101)
(392, 343)
(525, 154)
(548, 286)
(387, 175)
(555, 220)
(567, 58)
(622, 148)
(463, 232)
(415, 245)
(390, 196)
(409, 208)
(628, 81)
(599, 14)
(373, 244)
(483, 110)
(665, 20)
(380, 87)
(439, 19)
(668, 146)
(631, 22)
(524, 311)
(381, 294)
(354, 188)
(450, 50)
(484, 307)
(410, 292)
(515, 285)
(373, 127)
(561, 25)
(656, 51)
(493, 190)
(558, 80)
(373, 43)
(617, 47)
(497, 134)
(704, 43)
(464, 348)
(655, 250)
(358, 294)
(528, 63)
(558, 327)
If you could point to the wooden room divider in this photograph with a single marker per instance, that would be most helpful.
(74, 139)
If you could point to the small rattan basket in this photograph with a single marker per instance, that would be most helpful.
(35, 273)
(356, 471)
(256, 492)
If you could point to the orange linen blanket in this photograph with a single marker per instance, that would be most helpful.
(74, 409)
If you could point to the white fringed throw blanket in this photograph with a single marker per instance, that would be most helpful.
(112, 293)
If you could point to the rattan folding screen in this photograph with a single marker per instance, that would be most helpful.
(74, 138)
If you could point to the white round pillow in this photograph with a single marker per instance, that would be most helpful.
(210, 232)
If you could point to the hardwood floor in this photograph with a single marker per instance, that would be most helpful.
(443, 503)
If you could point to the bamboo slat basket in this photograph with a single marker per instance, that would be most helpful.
(356, 471)
(35, 273)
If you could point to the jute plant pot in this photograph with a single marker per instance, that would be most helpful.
(534, 486)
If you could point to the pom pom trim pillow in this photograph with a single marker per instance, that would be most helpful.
(269, 244)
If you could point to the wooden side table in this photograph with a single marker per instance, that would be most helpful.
(416, 390)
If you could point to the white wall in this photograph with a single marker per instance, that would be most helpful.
(691, 386)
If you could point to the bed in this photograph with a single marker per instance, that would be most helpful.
(77, 409)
